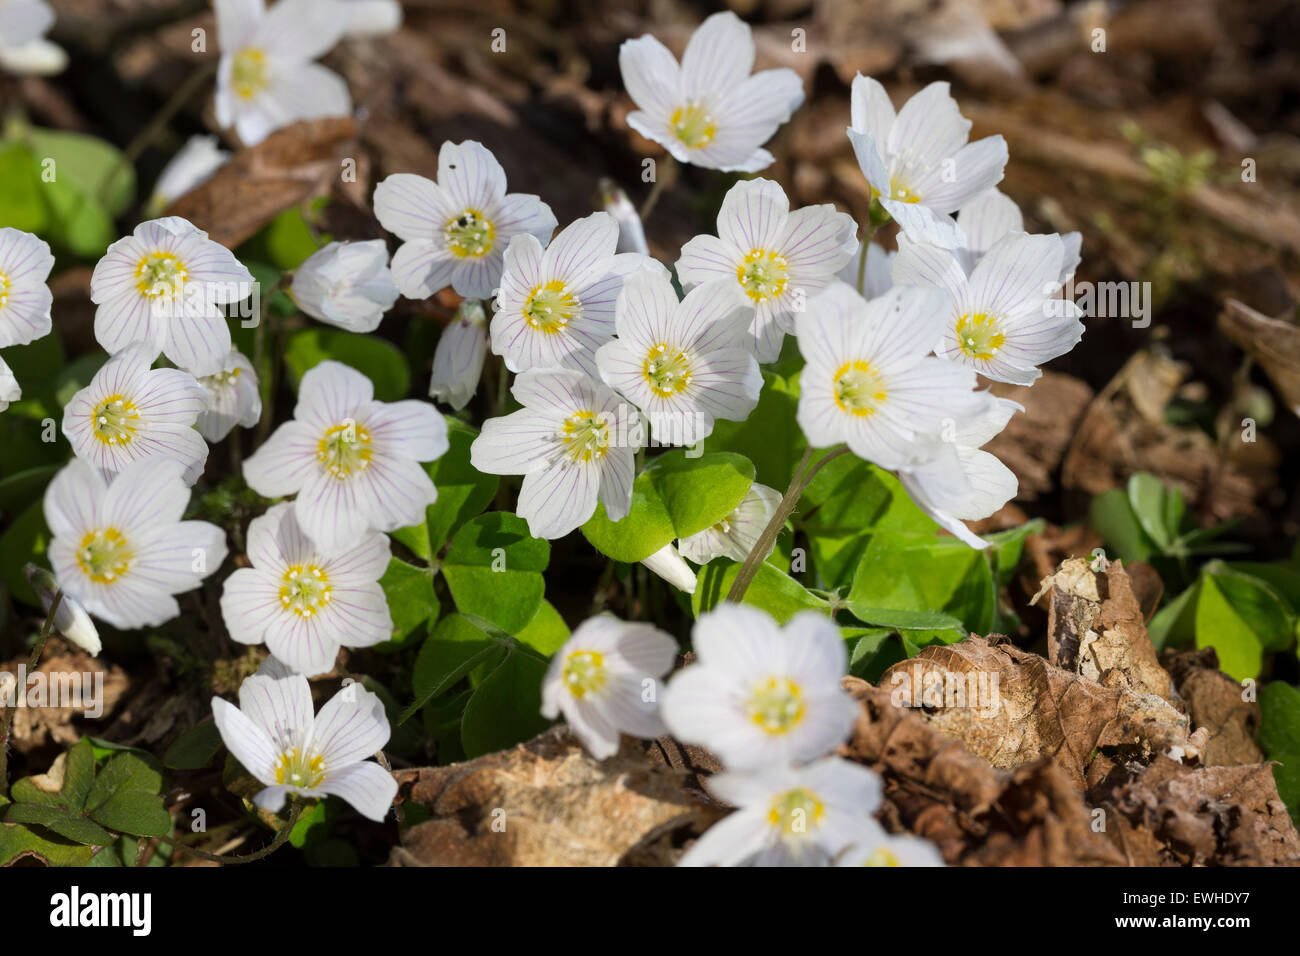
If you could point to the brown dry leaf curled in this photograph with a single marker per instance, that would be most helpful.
(547, 802)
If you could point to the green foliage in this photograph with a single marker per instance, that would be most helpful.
(380, 361)
(463, 492)
(673, 497)
(411, 598)
(494, 570)
(1147, 521)
(194, 749)
(772, 590)
(1279, 736)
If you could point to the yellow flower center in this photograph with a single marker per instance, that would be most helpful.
(295, 769)
(160, 275)
(305, 589)
(585, 436)
(222, 379)
(667, 370)
(114, 421)
(883, 856)
(584, 672)
(763, 274)
(248, 74)
(343, 449)
(551, 306)
(858, 388)
(4, 289)
(693, 125)
(777, 705)
(469, 235)
(978, 335)
(103, 555)
(796, 811)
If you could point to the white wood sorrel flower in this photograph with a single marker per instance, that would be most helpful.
(990, 216)
(353, 462)
(346, 284)
(10, 391)
(955, 481)
(917, 160)
(302, 604)
(604, 681)
(232, 398)
(163, 284)
(192, 166)
(556, 306)
(574, 441)
(735, 535)
(1003, 319)
(71, 619)
(684, 364)
(25, 264)
(458, 359)
(130, 412)
(709, 111)
(791, 816)
(266, 79)
(902, 849)
(285, 745)
(455, 232)
(779, 259)
(761, 694)
(869, 379)
(120, 549)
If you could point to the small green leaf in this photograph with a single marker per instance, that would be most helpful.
(506, 707)
(1146, 496)
(195, 748)
(1219, 626)
(1279, 736)
(897, 620)
(410, 595)
(463, 492)
(454, 648)
(377, 359)
(59, 820)
(493, 570)
(1111, 515)
(771, 590)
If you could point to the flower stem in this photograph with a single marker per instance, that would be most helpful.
(280, 839)
(6, 720)
(665, 178)
(803, 474)
(862, 257)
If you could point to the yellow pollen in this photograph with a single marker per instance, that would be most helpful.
(160, 275)
(469, 235)
(103, 555)
(296, 769)
(115, 420)
(551, 307)
(858, 388)
(5, 286)
(978, 335)
(883, 856)
(777, 705)
(667, 371)
(763, 274)
(585, 436)
(693, 125)
(305, 590)
(248, 73)
(796, 812)
(584, 672)
(343, 449)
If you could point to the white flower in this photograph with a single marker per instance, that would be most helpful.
(886, 850)
(302, 604)
(369, 18)
(346, 284)
(791, 816)
(71, 619)
(232, 398)
(990, 216)
(684, 364)
(573, 442)
(918, 161)
(735, 535)
(25, 264)
(668, 564)
(266, 79)
(353, 462)
(23, 47)
(709, 111)
(868, 378)
(192, 166)
(291, 750)
(10, 390)
(458, 359)
(761, 694)
(455, 231)
(1003, 319)
(631, 231)
(556, 307)
(130, 412)
(779, 259)
(873, 275)
(599, 679)
(954, 481)
(163, 285)
(120, 548)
